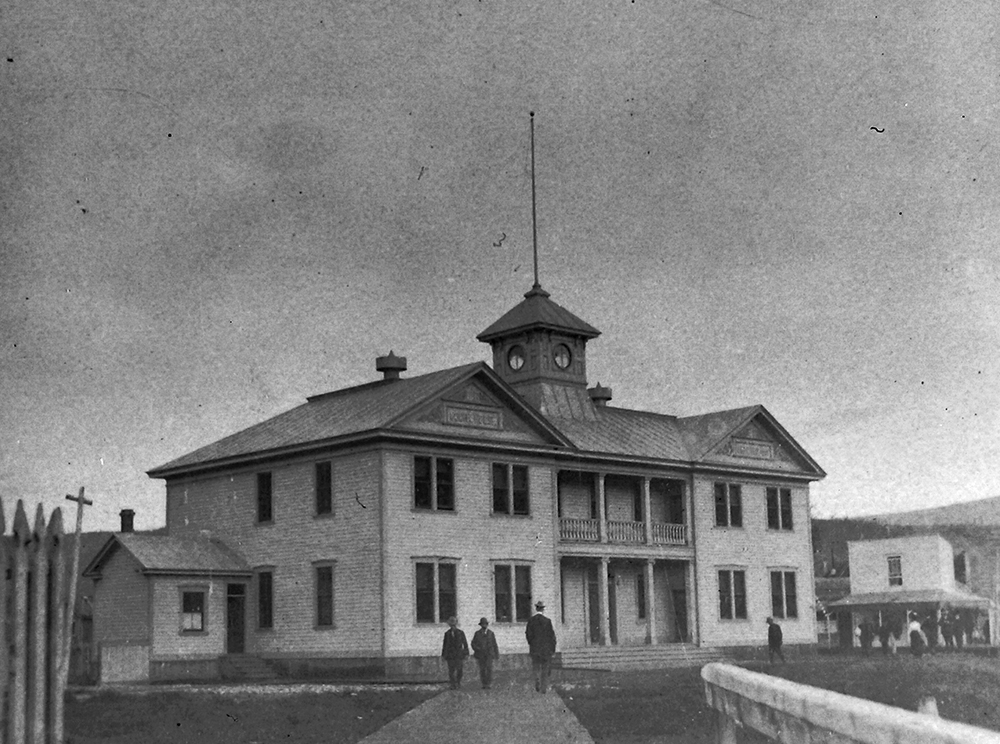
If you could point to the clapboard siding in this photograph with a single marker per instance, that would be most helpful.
(757, 550)
(121, 603)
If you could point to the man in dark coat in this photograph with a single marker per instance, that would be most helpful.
(774, 641)
(455, 651)
(484, 648)
(541, 645)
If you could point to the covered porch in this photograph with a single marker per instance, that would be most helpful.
(600, 507)
(619, 601)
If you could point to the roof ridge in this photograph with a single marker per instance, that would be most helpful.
(377, 383)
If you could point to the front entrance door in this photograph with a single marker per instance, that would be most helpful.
(235, 618)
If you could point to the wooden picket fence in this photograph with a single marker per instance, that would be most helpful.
(37, 599)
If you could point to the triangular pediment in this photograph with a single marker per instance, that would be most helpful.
(481, 407)
(756, 441)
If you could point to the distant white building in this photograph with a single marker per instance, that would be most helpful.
(920, 574)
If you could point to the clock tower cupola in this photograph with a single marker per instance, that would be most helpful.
(540, 349)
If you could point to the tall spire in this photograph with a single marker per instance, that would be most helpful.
(534, 228)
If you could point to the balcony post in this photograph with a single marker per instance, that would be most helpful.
(646, 519)
(650, 602)
(602, 514)
(604, 600)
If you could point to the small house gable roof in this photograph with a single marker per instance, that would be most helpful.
(168, 555)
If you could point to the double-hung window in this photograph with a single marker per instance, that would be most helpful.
(728, 505)
(732, 594)
(324, 487)
(895, 570)
(784, 599)
(193, 611)
(265, 599)
(265, 511)
(436, 590)
(779, 508)
(510, 489)
(324, 594)
(512, 592)
(433, 483)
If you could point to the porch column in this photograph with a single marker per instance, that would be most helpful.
(650, 602)
(604, 601)
(646, 520)
(602, 515)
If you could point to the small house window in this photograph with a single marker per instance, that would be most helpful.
(732, 595)
(784, 597)
(433, 483)
(436, 595)
(779, 508)
(324, 596)
(265, 600)
(510, 489)
(192, 611)
(264, 501)
(512, 593)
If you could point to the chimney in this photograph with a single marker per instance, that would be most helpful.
(390, 366)
(599, 395)
(127, 515)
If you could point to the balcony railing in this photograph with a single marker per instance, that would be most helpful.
(626, 532)
(589, 530)
(580, 530)
(669, 534)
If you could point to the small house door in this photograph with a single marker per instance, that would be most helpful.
(235, 618)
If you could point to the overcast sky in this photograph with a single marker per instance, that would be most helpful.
(210, 210)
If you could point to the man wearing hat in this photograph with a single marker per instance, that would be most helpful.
(541, 645)
(484, 648)
(454, 651)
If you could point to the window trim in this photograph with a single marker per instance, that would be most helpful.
(730, 489)
(509, 469)
(436, 562)
(782, 612)
(316, 566)
(732, 594)
(260, 476)
(328, 512)
(780, 493)
(204, 591)
(899, 574)
(260, 571)
(435, 484)
(513, 565)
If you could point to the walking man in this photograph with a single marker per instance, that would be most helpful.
(484, 648)
(455, 651)
(774, 641)
(541, 645)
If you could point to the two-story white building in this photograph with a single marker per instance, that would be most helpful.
(920, 575)
(347, 530)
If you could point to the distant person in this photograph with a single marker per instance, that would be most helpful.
(930, 626)
(885, 636)
(947, 630)
(916, 637)
(541, 646)
(774, 641)
(486, 651)
(455, 651)
(866, 635)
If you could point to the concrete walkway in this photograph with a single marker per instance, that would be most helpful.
(509, 712)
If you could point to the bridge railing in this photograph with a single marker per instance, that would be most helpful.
(791, 712)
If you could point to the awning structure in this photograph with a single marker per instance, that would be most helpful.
(911, 598)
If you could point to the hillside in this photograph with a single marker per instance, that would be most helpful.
(982, 513)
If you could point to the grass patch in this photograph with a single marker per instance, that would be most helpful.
(303, 718)
(668, 706)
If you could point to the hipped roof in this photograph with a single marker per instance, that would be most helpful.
(536, 310)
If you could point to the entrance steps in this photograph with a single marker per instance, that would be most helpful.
(621, 658)
(239, 667)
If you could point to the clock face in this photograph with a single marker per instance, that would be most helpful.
(515, 358)
(561, 356)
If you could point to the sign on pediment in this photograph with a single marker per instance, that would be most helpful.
(476, 418)
(754, 449)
